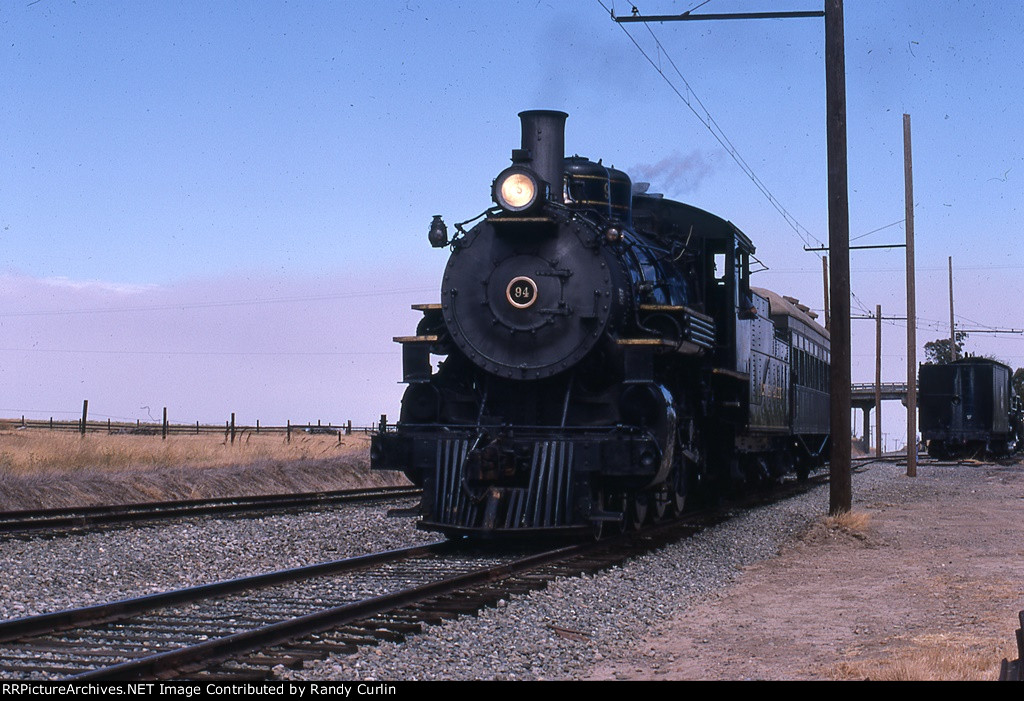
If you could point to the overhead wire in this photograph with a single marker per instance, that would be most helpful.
(194, 353)
(217, 305)
(712, 126)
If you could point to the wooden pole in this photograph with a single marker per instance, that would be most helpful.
(840, 490)
(878, 380)
(824, 272)
(85, 414)
(163, 429)
(908, 183)
(953, 355)
(232, 428)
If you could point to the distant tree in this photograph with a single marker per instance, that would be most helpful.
(937, 352)
(1018, 381)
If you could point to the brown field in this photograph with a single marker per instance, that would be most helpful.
(43, 469)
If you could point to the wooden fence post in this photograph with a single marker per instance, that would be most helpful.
(85, 414)
(164, 437)
(289, 434)
(232, 428)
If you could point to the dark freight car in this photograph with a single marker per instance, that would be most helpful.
(968, 408)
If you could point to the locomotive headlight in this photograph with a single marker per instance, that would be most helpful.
(516, 189)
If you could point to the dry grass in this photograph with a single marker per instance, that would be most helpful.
(44, 469)
(935, 657)
(848, 527)
(852, 522)
(34, 451)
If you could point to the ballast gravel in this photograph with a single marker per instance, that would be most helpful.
(554, 633)
(41, 575)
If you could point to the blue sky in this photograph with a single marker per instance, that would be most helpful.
(223, 206)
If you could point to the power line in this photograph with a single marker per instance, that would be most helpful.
(217, 305)
(195, 353)
(711, 125)
(875, 231)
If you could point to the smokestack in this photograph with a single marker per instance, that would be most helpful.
(544, 138)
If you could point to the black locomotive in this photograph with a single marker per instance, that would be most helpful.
(604, 357)
(968, 408)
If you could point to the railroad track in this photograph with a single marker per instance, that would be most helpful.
(285, 617)
(240, 630)
(86, 517)
(926, 460)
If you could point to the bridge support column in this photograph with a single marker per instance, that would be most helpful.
(867, 428)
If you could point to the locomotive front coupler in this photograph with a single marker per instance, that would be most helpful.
(493, 459)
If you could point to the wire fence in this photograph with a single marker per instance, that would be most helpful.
(164, 428)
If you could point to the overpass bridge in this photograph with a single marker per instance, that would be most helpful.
(862, 396)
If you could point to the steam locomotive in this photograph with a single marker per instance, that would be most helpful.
(969, 408)
(604, 356)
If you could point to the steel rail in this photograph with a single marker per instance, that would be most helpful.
(178, 661)
(118, 610)
(85, 516)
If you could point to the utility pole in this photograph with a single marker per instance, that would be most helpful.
(838, 308)
(878, 381)
(824, 271)
(908, 182)
(953, 355)
(877, 316)
(840, 488)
